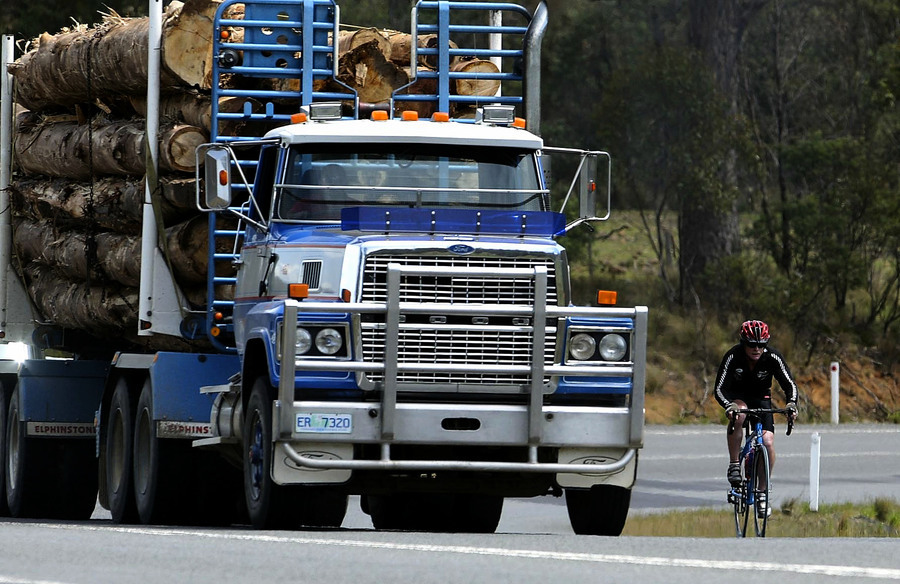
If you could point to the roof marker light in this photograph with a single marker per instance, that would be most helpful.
(410, 116)
(325, 110)
(379, 115)
(519, 123)
(299, 118)
(440, 117)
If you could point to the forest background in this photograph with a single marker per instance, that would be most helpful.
(756, 174)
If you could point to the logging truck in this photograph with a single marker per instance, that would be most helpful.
(385, 309)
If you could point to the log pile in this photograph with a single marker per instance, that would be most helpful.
(80, 151)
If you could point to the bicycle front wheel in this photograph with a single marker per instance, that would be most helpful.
(740, 498)
(761, 501)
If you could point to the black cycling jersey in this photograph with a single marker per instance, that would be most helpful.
(736, 380)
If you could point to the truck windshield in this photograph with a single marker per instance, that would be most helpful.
(321, 179)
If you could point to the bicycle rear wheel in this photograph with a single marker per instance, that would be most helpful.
(761, 470)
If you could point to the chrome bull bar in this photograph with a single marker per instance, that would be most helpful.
(390, 368)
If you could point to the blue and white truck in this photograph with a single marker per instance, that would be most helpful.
(399, 325)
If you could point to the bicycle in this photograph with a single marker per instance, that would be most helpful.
(754, 471)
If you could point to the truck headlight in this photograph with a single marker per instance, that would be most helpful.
(582, 347)
(612, 347)
(304, 341)
(329, 341)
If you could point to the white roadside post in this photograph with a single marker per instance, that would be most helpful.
(815, 451)
(835, 397)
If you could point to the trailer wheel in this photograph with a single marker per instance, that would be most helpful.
(268, 504)
(4, 411)
(600, 510)
(119, 456)
(156, 467)
(24, 488)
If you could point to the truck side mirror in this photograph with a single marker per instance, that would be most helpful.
(217, 178)
(589, 188)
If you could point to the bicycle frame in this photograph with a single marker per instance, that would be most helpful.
(755, 470)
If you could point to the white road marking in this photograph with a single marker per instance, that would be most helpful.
(815, 569)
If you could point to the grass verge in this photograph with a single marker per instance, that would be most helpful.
(880, 518)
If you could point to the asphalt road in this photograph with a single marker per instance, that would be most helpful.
(680, 467)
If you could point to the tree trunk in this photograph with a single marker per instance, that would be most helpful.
(71, 150)
(115, 257)
(195, 109)
(116, 203)
(366, 70)
(401, 50)
(94, 59)
(97, 309)
(350, 40)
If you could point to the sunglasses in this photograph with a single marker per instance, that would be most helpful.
(756, 345)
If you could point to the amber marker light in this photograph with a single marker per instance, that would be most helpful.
(225, 35)
(440, 117)
(298, 291)
(223, 177)
(218, 317)
(519, 123)
(215, 331)
(606, 297)
(410, 116)
(379, 116)
(298, 118)
(345, 295)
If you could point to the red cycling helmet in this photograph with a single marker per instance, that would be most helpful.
(755, 332)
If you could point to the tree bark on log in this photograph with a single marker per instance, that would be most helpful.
(116, 203)
(195, 109)
(94, 59)
(366, 70)
(401, 50)
(348, 40)
(116, 257)
(71, 150)
(97, 309)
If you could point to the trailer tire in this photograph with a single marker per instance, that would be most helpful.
(120, 454)
(157, 467)
(24, 488)
(600, 510)
(4, 411)
(268, 504)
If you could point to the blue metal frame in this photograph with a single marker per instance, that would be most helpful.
(441, 12)
(60, 390)
(177, 379)
(283, 40)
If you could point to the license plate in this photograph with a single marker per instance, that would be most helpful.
(324, 423)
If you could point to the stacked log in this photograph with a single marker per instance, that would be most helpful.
(80, 155)
(80, 151)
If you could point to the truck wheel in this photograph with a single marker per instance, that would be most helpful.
(156, 464)
(24, 491)
(119, 456)
(392, 512)
(4, 411)
(600, 510)
(268, 504)
(71, 479)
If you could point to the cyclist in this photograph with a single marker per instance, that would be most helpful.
(744, 381)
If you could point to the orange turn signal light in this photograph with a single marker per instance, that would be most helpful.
(345, 295)
(606, 296)
(298, 291)
(215, 331)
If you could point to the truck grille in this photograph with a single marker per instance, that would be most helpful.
(458, 340)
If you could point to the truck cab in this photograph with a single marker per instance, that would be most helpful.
(403, 315)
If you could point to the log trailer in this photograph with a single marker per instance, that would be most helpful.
(399, 323)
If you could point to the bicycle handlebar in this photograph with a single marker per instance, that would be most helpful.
(755, 412)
